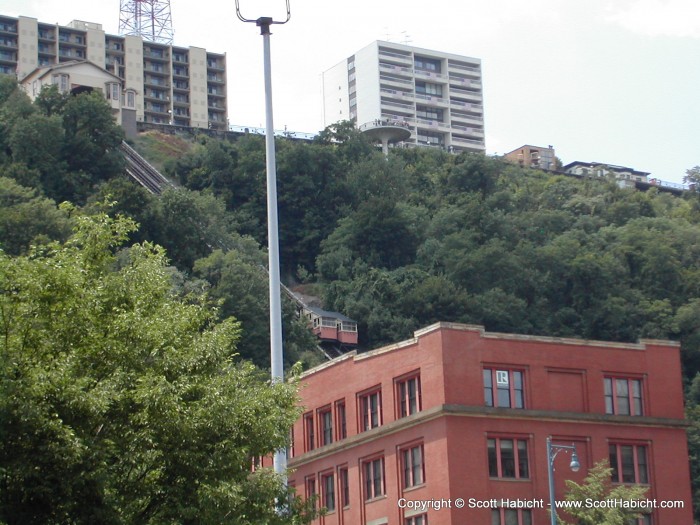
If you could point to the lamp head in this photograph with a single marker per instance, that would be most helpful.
(574, 465)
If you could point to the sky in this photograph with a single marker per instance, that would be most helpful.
(609, 81)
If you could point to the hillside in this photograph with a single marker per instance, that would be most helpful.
(395, 244)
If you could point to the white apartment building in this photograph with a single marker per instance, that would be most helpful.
(184, 86)
(437, 95)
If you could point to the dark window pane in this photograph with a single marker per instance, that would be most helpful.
(522, 459)
(507, 458)
(493, 461)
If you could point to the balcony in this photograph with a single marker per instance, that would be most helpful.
(156, 81)
(465, 82)
(180, 85)
(472, 132)
(216, 79)
(7, 56)
(398, 70)
(181, 72)
(432, 100)
(216, 92)
(458, 140)
(215, 64)
(467, 119)
(156, 95)
(392, 93)
(71, 54)
(459, 97)
(401, 83)
(8, 28)
(155, 68)
(400, 59)
(158, 109)
(432, 75)
(157, 56)
(473, 71)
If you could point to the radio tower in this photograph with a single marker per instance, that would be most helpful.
(149, 19)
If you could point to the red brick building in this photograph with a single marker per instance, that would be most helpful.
(457, 412)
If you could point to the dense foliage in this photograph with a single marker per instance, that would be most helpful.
(123, 402)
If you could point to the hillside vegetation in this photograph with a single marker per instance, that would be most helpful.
(395, 244)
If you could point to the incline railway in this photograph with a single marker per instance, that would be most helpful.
(336, 333)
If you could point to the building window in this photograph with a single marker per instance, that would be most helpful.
(413, 470)
(508, 458)
(643, 520)
(62, 82)
(325, 418)
(629, 463)
(623, 396)
(341, 420)
(425, 112)
(373, 472)
(427, 88)
(408, 396)
(130, 99)
(511, 517)
(421, 519)
(370, 410)
(328, 494)
(503, 388)
(344, 486)
(428, 64)
(310, 484)
(309, 435)
(113, 92)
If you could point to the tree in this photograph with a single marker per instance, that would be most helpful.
(692, 177)
(26, 217)
(597, 487)
(121, 402)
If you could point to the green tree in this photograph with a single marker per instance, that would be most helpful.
(692, 177)
(26, 217)
(598, 487)
(91, 145)
(121, 402)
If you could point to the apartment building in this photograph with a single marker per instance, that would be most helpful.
(184, 86)
(537, 157)
(458, 412)
(438, 96)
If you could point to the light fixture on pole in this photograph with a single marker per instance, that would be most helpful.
(552, 451)
(264, 23)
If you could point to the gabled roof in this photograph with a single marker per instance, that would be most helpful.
(42, 71)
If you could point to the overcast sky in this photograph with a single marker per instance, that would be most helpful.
(611, 81)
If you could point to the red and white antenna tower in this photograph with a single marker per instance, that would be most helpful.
(149, 19)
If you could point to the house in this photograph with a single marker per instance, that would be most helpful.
(537, 157)
(79, 76)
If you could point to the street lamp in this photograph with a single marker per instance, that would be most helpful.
(264, 23)
(552, 451)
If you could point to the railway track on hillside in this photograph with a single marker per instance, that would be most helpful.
(143, 172)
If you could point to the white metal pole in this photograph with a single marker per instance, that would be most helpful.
(276, 362)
